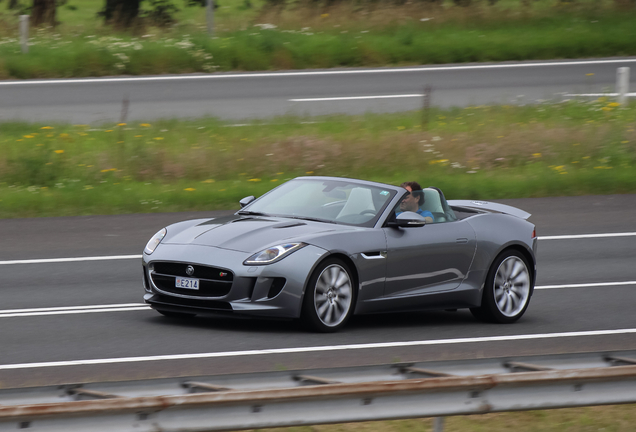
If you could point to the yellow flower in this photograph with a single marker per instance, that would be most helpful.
(138, 136)
(613, 104)
(44, 187)
(144, 125)
(537, 155)
(274, 180)
(208, 181)
(590, 74)
(63, 135)
(607, 109)
(401, 127)
(109, 130)
(624, 142)
(19, 140)
(28, 136)
(325, 15)
(121, 124)
(158, 138)
(59, 151)
(586, 157)
(280, 173)
(47, 127)
(189, 189)
(254, 180)
(309, 172)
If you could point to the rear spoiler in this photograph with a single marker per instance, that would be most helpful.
(490, 206)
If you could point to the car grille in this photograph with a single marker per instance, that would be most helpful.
(213, 282)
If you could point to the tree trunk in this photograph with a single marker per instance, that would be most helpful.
(122, 13)
(43, 12)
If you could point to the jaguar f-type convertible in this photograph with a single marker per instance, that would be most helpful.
(324, 248)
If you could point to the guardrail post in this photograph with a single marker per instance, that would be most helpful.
(438, 424)
(622, 84)
(24, 33)
(210, 17)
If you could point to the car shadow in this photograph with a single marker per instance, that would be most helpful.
(233, 323)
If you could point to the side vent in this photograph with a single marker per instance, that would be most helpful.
(276, 287)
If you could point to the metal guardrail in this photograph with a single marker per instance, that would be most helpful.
(325, 396)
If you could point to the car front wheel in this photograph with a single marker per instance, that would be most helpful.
(507, 289)
(329, 297)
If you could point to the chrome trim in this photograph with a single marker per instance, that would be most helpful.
(381, 255)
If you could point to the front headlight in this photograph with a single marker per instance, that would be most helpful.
(154, 241)
(273, 254)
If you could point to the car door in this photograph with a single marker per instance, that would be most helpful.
(427, 259)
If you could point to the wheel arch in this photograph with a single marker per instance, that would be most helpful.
(346, 259)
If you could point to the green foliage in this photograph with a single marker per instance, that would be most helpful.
(270, 48)
(483, 152)
(161, 12)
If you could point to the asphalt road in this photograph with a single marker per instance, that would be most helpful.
(240, 96)
(37, 345)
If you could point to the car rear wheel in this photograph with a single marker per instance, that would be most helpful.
(329, 297)
(507, 289)
(177, 315)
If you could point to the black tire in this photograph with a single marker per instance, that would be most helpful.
(176, 315)
(330, 296)
(507, 290)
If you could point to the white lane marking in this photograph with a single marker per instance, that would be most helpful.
(313, 73)
(58, 260)
(140, 306)
(355, 98)
(122, 257)
(585, 285)
(71, 312)
(583, 236)
(598, 94)
(318, 349)
(59, 308)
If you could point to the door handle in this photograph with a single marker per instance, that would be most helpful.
(462, 240)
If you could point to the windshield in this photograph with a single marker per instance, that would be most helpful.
(326, 200)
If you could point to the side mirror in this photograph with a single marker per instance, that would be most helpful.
(245, 201)
(409, 220)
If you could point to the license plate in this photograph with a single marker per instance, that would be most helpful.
(187, 283)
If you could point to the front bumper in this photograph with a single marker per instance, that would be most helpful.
(273, 290)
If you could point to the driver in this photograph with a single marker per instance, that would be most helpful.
(413, 200)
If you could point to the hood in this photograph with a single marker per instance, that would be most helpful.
(248, 233)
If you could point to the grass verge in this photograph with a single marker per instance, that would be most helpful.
(486, 152)
(306, 37)
(615, 418)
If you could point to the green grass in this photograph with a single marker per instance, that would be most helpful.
(307, 37)
(486, 152)
(617, 418)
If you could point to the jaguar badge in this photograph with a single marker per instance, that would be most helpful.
(189, 270)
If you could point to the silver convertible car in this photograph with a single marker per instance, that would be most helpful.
(324, 248)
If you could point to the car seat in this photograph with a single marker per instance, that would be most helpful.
(433, 203)
(360, 200)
